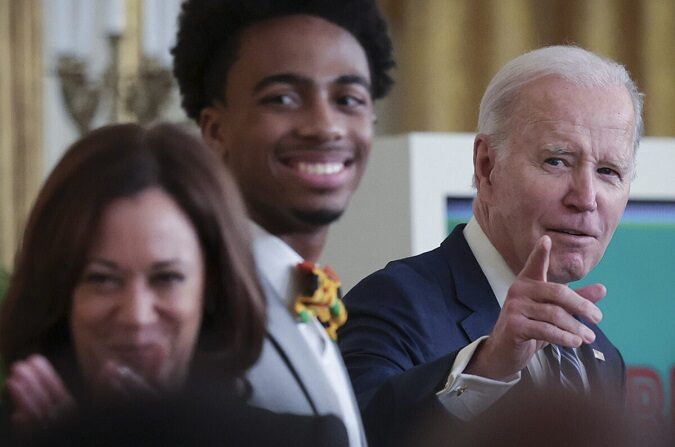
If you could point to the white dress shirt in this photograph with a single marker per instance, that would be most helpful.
(467, 395)
(277, 263)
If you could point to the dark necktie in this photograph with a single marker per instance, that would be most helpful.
(566, 367)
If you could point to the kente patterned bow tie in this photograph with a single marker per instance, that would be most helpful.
(320, 296)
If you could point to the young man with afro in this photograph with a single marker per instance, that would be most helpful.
(283, 90)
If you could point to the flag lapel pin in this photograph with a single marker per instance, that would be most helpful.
(599, 355)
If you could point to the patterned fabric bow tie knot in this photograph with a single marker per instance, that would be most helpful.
(320, 296)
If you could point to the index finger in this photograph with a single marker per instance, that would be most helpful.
(536, 266)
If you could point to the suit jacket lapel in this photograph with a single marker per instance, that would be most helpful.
(472, 288)
(596, 369)
(355, 405)
(284, 334)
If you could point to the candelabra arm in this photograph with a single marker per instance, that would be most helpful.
(81, 97)
(144, 95)
(112, 78)
(148, 93)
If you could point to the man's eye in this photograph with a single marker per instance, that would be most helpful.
(281, 99)
(351, 101)
(557, 162)
(608, 171)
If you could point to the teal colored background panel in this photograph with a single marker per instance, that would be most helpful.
(639, 273)
(639, 310)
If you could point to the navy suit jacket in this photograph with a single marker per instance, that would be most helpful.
(407, 323)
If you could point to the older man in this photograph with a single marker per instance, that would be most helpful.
(459, 327)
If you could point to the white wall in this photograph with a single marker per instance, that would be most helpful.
(399, 208)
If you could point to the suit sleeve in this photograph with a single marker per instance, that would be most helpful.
(392, 327)
(394, 346)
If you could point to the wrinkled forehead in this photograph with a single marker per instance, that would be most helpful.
(553, 97)
(558, 105)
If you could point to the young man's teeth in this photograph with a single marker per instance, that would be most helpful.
(320, 168)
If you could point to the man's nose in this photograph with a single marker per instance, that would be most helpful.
(321, 121)
(137, 305)
(582, 194)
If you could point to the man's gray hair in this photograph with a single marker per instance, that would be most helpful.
(574, 64)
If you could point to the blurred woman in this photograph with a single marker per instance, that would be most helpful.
(135, 278)
(134, 274)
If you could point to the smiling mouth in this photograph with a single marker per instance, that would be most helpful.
(321, 168)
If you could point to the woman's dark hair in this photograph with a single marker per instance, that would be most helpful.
(122, 161)
(208, 40)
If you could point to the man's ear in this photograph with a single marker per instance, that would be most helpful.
(213, 124)
(483, 164)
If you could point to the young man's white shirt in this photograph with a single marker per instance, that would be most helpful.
(277, 263)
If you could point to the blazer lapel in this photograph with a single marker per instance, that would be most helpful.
(596, 369)
(472, 288)
(284, 334)
(355, 405)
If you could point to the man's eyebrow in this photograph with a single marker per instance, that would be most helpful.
(619, 163)
(557, 149)
(354, 79)
(281, 78)
(296, 79)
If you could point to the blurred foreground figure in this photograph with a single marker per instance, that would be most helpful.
(134, 282)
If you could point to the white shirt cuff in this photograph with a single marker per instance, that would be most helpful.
(466, 395)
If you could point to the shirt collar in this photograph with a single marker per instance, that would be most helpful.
(276, 262)
(495, 269)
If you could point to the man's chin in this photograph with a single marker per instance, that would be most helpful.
(319, 217)
(567, 273)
